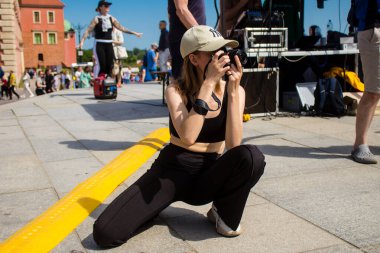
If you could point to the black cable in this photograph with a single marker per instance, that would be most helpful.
(217, 13)
(340, 22)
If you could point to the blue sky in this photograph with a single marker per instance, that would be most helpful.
(144, 15)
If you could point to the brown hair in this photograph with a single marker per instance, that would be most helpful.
(189, 83)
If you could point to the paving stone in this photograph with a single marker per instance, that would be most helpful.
(180, 208)
(21, 173)
(119, 139)
(40, 121)
(50, 150)
(372, 249)
(30, 110)
(88, 125)
(11, 133)
(7, 122)
(70, 244)
(16, 147)
(285, 158)
(267, 228)
(66, 175)
(17, 209)
(341, 201)
(342, 248)
(6, 114)
(158, 238)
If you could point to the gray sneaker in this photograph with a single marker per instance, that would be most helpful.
(362, 154)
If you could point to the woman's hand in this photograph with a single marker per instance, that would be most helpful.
(234, 77)
(138, 35)
(217, 68)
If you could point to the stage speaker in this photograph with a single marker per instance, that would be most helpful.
(320, 4)
(261, 90)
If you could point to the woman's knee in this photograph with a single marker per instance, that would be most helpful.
(106, 237)
(253, 157)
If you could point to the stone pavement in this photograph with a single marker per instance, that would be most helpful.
(312, 197)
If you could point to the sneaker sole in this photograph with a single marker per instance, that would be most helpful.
(362, 161)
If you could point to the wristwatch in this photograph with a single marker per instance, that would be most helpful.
(200, 107)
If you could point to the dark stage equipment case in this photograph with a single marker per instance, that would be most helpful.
(261, 87)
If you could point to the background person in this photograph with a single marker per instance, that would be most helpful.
(102, 26)
(4, 88)
(163, 47)
(11, 85)
(367, 18)
(150, 63)
(26, 78)
(118, 40)
(77, 74)
(183, 14)
(40, 84)
(49, 81)
(192, 168)
(85, 78)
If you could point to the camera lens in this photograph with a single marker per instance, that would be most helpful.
(240, 53)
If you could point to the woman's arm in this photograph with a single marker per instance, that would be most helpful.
(123, 29)
(184, 14)
(88, 31)
(189, 124)
(235, 107)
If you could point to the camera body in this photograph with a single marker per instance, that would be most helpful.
(240, 53)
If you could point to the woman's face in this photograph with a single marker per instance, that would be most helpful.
(201, 59)
(104, 9)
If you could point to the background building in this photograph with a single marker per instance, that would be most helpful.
(46, 43)
(11, 41)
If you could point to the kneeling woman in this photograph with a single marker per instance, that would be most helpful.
(205, 118)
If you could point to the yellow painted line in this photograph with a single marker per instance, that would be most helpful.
(51, 227)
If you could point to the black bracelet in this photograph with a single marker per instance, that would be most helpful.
(201, 107)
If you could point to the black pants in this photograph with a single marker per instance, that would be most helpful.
(225, 181)
(40, 91)
(4, 89)
(105, 55)
(12, 91)
(177, 60)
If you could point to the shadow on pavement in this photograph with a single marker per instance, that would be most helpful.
(97, 145)
(332, 152)
(106, 110)
(191, 227)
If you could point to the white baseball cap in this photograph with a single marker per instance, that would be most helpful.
(204, 38)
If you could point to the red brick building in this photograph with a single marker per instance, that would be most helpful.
(46, 43)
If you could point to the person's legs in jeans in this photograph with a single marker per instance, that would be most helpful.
(228, 182)
(141, 202)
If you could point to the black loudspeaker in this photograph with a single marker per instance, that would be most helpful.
(261, 90)
(41, 57)
(320, 4)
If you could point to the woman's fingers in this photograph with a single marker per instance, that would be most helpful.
(238, 63)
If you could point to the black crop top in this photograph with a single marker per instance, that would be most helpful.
(213, 129)
(99, 34)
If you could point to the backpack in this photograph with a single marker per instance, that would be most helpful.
(329, 98)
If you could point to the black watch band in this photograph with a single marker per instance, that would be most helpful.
(200, 107)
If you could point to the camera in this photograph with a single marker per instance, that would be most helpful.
(240, 53)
